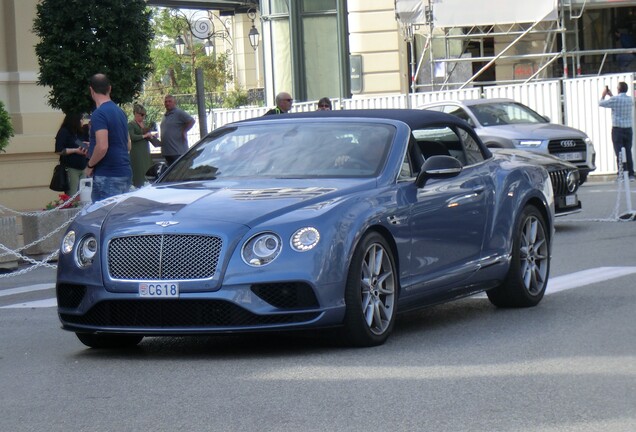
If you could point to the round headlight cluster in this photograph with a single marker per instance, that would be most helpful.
(305, 239)
(261, 249)
(86, 251)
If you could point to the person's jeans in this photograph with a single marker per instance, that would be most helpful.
(622, 138)
(105, 187)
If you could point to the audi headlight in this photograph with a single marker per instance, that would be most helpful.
(86, 251)
(261, 249)
(305, 239)
(68, 242)
(529, 143)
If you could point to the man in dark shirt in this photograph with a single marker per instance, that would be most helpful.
(284, 103)
(174, 128)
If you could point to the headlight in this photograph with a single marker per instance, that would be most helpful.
(305, 239)
(86, 251)
(572, 180)
(529, 143)
(68, 242)
(261, 249)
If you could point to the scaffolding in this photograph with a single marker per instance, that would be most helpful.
(448, 53)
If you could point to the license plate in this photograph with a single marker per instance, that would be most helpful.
(159, 289)
(570, 200)
(571, 156)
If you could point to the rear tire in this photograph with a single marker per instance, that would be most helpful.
(370, 293)
(527, 278)
(108, 341)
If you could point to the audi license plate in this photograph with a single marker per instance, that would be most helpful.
(159, 289)
(570, 200)
(570, 156)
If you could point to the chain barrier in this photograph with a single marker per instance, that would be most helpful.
(35, 264)
(17, 252)
(4, 209)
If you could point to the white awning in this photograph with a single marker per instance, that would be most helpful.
(466, 13)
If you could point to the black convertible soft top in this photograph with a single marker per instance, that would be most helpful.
(414, 118)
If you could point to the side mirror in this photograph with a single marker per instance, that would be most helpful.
(155, 171)
(438, 167)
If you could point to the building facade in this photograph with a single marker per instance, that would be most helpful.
(336, 48)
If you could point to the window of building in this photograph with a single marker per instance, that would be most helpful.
(308, 52)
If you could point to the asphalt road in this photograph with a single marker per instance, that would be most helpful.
(568, 364)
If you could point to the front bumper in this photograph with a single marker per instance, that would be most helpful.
(245, 308)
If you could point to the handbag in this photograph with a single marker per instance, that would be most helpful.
(59, 181)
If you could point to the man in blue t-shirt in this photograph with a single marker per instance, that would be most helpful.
(109, 162)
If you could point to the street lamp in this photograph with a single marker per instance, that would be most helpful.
(254, 36)
(209, 48)
(203, 28)
(179, 45)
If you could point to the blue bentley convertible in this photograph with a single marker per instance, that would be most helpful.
(308, 221)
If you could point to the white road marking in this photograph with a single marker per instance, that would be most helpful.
(587, 277)
(25, 289)
(555, 284)
(46, 303)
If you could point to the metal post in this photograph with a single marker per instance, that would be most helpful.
(203, 119)
(563, 40)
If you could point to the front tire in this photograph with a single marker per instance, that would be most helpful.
(108, 341)
(527, 278)
(370, 293)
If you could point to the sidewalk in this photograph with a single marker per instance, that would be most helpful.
(14, 278)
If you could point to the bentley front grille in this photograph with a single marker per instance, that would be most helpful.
(163, 257)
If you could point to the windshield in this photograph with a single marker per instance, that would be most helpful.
(287, 150)
(503, 113)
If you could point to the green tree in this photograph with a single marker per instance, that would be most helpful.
(6, 127)
(79, 38)
(175, 73)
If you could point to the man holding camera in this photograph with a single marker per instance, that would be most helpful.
(622, 107)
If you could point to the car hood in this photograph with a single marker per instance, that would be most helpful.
(198, 203)
(543, 131)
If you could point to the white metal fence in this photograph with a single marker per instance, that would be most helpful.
(573, 102)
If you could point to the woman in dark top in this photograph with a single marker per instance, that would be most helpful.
(72, 150)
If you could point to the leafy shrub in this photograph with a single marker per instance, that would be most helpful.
(6, 127)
